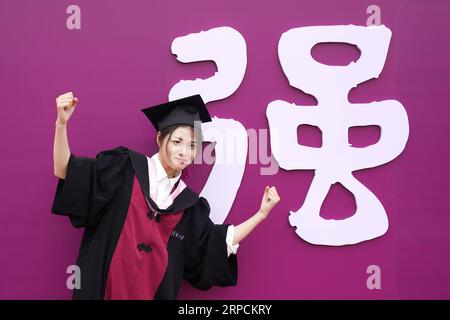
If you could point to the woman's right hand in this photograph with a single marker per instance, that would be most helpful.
(65, 105)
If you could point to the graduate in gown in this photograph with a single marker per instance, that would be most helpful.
(144, 229)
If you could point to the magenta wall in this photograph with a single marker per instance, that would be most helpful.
(120, 61)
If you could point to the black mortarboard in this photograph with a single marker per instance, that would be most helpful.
(181, 111)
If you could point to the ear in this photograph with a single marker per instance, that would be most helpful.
(157, 138)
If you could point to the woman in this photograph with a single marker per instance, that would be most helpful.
(145, 230)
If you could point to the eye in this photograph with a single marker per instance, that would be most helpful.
(176, 141)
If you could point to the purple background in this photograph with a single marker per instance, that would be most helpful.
(120, 61)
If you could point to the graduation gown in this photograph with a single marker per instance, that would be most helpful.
(131, 249)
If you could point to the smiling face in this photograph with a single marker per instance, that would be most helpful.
(177, 149)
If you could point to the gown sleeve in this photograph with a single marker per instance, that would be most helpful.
(89, 186)
(206, 262)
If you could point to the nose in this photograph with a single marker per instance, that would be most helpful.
(183, 151)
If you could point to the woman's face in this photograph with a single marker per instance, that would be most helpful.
(180, 148)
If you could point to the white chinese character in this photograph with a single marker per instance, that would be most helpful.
(334, 115)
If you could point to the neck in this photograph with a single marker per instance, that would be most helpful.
(171, 173)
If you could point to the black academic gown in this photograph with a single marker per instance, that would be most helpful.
(95, 195)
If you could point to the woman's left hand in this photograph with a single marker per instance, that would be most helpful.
(269, 200)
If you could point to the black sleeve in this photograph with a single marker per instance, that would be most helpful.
(89, 185)
(206, 262)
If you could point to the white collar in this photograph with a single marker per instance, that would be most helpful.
(161, 172)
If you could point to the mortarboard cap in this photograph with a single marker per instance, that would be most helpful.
(181, 111)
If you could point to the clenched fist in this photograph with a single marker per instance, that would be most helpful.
(65, 105)
(269, 200)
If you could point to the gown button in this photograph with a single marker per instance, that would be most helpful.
(144, 247)
(152, 214)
